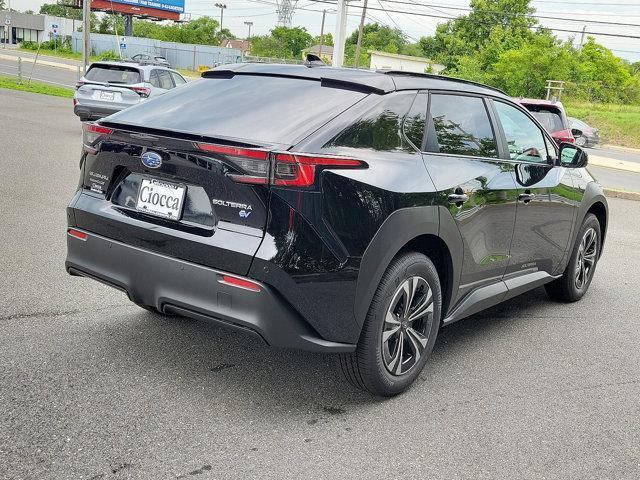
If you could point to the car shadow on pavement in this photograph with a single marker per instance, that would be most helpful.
(220, 360)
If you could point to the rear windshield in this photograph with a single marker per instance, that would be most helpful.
(113, 74)
(548, 117)
(250, 108)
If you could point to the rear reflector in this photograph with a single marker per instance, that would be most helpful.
(240, 283)
(77, 234)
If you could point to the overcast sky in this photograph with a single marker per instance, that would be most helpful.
(309, 14)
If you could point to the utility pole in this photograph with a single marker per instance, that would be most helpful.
(221, 6)
(360, 29)
(249, 24)
(341, 28)
(584, 28)
(324, 14)
(86, 32)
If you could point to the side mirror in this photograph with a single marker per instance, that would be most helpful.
(575, 132)
(572, 156)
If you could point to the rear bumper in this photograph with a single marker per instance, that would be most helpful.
(89, 112)
(192, 290)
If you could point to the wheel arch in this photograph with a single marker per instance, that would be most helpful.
(429, 230)
(599, 209)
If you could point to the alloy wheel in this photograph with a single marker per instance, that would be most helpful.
(587, 254)
(405, 332)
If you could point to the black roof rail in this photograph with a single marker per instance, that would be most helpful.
(440, 77)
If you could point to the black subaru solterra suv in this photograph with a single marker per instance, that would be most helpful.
(333, 210)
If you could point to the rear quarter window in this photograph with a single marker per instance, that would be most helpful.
(113, 74)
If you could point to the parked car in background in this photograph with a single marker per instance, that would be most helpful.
(585, 135)
(356, 225)
(109, 87)
(551, 116)
(151, 59)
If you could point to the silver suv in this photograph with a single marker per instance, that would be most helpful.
(109, 87)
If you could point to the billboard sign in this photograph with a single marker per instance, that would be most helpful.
(166, 5)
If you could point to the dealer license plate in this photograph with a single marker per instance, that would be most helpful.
(160, 198)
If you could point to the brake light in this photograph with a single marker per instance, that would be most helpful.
(142, 91)
(566, 139)
(298, 170)
(99, 129)
(77, 234)
(240, 283)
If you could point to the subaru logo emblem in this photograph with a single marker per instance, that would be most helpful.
(151, 159)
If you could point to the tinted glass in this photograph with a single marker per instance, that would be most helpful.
(378, 129)
(525, 140)
(165, 79)
(461, 126)
(113, 74)
(257, 109)
(154, 80)
(549, 119)
(178, 80)
(416, 120)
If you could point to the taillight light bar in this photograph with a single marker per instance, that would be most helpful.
(290, 169)
(239, 282)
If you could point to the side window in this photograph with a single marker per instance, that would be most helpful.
(416, 120)
(525, 140)
(460, 125)
(153, 79)
(177, 79)
(379, 128)
(165, 79)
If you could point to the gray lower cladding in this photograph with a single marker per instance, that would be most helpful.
(175, 286)
(93, 112)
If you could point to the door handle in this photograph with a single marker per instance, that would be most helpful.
(527, 196)
(458, 198)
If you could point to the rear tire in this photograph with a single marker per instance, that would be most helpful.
(398, 335)
(575, 280)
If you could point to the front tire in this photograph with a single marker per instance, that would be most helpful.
(400, 328)
(577, 277)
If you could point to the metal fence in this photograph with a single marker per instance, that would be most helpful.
(180, 55)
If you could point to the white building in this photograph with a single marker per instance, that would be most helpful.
(23, 27)
(405, 63)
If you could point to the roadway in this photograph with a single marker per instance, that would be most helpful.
(93, 387)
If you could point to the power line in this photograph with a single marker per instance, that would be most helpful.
(422, 14)
(509, 14)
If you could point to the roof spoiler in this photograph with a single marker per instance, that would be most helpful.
(324, 81)
(445, 77)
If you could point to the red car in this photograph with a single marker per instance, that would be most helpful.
(551, 116)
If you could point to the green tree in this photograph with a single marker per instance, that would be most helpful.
(282, 42)
(374, 37)
(62, 9)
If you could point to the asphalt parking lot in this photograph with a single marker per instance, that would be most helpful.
(92, 387)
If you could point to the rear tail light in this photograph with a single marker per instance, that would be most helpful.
(92, 134)
(299, 170)
(290, 169)
(239, 282)
(142, 91)
(566, 139)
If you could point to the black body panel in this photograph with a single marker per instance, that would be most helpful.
(494, 225)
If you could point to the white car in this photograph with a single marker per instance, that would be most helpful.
(109, 87)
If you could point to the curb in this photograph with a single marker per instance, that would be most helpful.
(625, 194)
(616, 147)
(605, 162)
